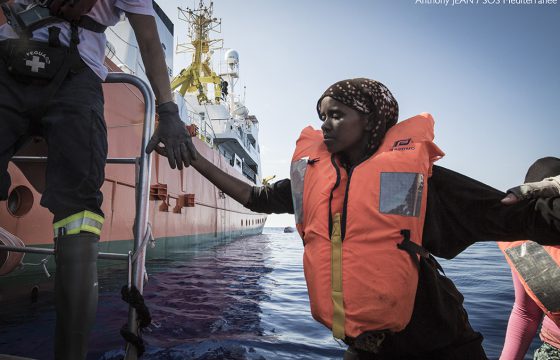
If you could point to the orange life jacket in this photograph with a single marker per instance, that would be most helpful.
(538, 268)
(354, 225)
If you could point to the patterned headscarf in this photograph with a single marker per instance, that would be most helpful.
(369, 97)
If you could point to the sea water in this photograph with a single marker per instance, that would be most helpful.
(242, 300)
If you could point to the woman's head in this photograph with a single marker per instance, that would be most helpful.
(356, 113)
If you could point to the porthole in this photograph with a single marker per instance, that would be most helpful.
(20, 201)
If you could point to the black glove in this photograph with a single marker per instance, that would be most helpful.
(172, 133)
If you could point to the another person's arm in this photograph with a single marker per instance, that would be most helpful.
(523, 323)
(171, 131)
(549, 187)
(462, 211)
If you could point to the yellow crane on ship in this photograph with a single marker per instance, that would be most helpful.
(198, 75)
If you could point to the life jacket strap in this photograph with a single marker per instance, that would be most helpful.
(336, 280)
(411, 247)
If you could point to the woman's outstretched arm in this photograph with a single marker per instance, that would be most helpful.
(462, 211)
(275, 198)
(239, 190)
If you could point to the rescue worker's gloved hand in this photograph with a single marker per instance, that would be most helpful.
(71, 10)
(172, 133)
(549, 187)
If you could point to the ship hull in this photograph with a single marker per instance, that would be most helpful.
(185, 208)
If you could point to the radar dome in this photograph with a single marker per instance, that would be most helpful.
(232, 57)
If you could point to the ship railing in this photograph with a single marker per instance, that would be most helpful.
(142, 232)
(237, 131)
(206, 131)
(227, 127)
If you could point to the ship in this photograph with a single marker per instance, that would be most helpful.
(184, 208)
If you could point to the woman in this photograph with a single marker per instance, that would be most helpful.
(532, 295)
(364, 174)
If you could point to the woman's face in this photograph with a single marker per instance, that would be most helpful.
(343, 127)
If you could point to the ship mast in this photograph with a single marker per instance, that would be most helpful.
(199, 75)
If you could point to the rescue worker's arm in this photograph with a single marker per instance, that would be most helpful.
(171, 131)
(149, 44)
(462, 211)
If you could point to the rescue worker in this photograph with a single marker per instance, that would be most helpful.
(50, 85)
(372, 209)
(535, 274)
(224, 89)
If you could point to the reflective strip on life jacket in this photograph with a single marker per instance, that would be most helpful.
(297, 175)
(82, 221)
(336, 278)
(539, 271)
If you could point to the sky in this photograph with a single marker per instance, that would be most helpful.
(489, 73)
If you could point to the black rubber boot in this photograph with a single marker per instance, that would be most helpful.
(76, 294)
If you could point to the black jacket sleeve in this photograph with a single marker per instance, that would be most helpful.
(275, 198)
(462, 211)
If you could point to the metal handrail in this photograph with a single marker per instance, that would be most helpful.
(142, 194)
(41, 159)
(50, 251)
